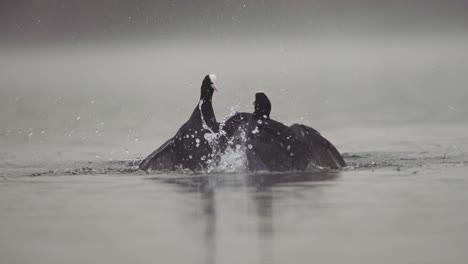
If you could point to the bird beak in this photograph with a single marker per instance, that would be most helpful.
(214, 87)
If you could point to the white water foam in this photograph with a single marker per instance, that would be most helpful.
(212, 138)
(233, 159)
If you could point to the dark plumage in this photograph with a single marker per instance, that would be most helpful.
(321, 151)
(273, 146)
(190, 147)
(233, 130)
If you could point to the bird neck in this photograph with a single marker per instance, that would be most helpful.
(206, 95)
(207, 113)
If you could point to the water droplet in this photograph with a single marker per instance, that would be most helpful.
(259, 121)
(190, 156)
(78, 117)
(249, 146)
(137, 139)
(42, 132)
(208, 137)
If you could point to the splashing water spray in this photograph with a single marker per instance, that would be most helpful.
(233, 159)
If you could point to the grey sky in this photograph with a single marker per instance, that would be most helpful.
(69, 19)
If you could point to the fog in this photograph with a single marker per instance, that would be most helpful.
(87, 88)
(130, 70)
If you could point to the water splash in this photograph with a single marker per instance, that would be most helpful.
(212, 138)
(233, 158)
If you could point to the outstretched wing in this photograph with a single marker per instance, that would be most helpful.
(273, 146)
(323, 153)
(161, 159)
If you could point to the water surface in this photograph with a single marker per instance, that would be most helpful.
(387, 207)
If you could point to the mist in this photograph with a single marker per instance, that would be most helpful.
(89, 88)
(125, 70)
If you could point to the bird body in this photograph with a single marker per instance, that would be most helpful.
(273, 146)
(191, 147)
(269, 145)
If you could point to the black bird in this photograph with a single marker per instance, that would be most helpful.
(273, 146)
(233, 130)
(192, 146)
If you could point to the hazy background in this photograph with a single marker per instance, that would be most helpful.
(86, 85)
(124, 75)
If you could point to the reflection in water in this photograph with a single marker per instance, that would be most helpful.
(260, 197)
(264, 208)
(260, 181)
(357, 216)
(209, 210)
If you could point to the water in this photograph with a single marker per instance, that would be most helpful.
(388, 206)
(75, 121)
